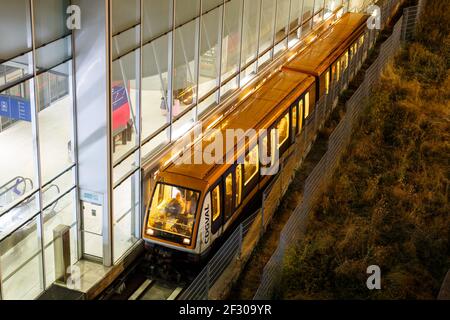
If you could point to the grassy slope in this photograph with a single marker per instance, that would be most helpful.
(388, 201)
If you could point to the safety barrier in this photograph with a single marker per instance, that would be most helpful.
(338, 141)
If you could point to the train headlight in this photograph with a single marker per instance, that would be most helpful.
(150, 232)
(187, 241)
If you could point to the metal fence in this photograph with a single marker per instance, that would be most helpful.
(338, 141)
(230, 250)
(411, 16)
(249, 232)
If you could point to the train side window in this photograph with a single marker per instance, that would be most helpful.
(300, 115)
(238, 185)
(283, 130)
(251, 165)
(306, 105)
(338, 70)
(215, 200)
(228, 203)
(294, 121)
(345, 61)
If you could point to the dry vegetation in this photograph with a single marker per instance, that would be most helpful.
(388, 202)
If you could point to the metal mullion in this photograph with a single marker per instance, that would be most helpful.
(170, 71)
(274, 33)
(219, 75)
(107, 227)
(241, 43)
(74, 138)
(198, 31)
(36, 143)
(286, 34)
(259, 36)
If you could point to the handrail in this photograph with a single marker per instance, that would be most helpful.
(18, 180)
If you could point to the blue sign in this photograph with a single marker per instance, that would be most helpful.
(119, 97)
(15, 108)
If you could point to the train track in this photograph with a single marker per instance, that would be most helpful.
(156, 290)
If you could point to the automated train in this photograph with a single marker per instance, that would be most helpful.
(192, 206)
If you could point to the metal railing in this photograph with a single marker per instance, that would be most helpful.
(230, 250)
(338, 141)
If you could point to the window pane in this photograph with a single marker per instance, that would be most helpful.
(54, 53)
(215, 198)
(21, 263)
(125, 95)
(183, 125)
(210, 4)
(126, 217)
(307, 105)
(267, 24)
(125, 41)
(125, 14)
(238, 184)
(210, 51)
(15, 69)
(251, 165)
(155, 109)
(283, 130)
(307, 9)
(50, 20)
(231, 38)
(52, 191)
(55, 107)
(155, 144)
(228, 196)
(294, 119)
(282, 19)
(16, 28)
(300, 113)
(207, 104)
(185, 73)
(186, 10)
(296, 8)
(157, 17)
(14, 218)
(61, 214)
(250, 31)
(228, 88)
(318, 5)
(17, 176)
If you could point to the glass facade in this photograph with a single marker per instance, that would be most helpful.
(37, 175)
(172, 63)
(175, 60)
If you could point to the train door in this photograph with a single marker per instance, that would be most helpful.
(230, 197)
(216, 210)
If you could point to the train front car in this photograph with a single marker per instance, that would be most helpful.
(173, 218)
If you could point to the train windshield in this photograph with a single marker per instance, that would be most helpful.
(172, 213)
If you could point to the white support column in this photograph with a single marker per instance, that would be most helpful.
(92, 65)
